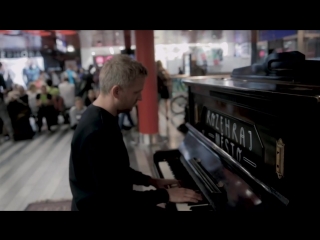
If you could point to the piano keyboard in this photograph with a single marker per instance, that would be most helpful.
(167, 173)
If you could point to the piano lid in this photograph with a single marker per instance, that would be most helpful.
(288, 66)
(283, 73)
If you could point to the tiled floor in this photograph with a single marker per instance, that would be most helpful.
(38, 169)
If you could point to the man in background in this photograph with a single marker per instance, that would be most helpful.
(76, 112)
(3, 107)
(31, 72)
(67, 92)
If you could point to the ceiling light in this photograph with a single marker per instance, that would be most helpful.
(70, 48)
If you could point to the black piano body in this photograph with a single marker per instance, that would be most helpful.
(253, 140)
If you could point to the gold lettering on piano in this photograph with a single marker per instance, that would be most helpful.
(239, 135)
(234, 135)
(242, 138)
(250, 146)
(227, 127)
(229, 136)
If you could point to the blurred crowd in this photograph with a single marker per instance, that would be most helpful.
(38, 106)
(43, 100)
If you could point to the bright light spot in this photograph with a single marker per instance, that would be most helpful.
(70, 48)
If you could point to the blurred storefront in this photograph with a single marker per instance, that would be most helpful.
(214, 51)
(38, 49)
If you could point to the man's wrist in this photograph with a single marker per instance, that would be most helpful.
(151, 181)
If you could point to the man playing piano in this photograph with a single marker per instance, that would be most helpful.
(100, 175)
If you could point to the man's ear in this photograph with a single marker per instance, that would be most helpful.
(115, 91)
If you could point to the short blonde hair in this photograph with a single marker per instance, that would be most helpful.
(120, 70)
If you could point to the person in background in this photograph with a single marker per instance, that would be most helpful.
(19, 111)
(54, 91)
(70, 74)
(67, 92)
(41, 81)
(90, 98)
(8, 76)
(163, 79)
(121, 120)
(195, 71)
(180, 71)
(55, 78)
(86, 83)
(56, 101)
(3, 108)
(80, 73)
(76, 112)
(44, 103)
(32, 94)
(31, 72)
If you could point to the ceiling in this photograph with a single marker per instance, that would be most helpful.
(98, 38)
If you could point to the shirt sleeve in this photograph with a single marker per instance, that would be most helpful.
(112, 177)
(139, 178)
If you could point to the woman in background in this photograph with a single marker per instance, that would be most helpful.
(19, 111)
(32, 93)
(90, 98)
(163, 79)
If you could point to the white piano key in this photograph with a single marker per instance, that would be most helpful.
(166, 171)
(167, 174)
(182, 207)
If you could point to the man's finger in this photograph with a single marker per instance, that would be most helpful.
(195, 196)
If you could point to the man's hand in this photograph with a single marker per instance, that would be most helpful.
(183, 195)
(164, 183)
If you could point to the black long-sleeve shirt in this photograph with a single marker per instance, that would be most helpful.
(3, 85)
(100, 174)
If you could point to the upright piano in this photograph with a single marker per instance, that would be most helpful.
(253, 139)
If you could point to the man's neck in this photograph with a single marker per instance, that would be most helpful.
(102, 102)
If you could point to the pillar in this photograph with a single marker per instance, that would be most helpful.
(148, 107)
(254, 46)
(127, 39)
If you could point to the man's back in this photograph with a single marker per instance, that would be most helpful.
(67, 92)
